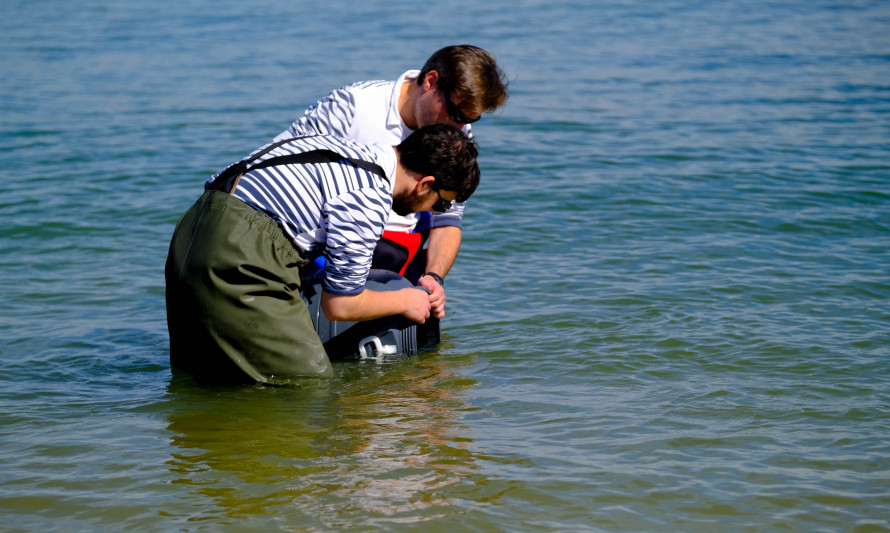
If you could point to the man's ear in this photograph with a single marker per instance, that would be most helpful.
(431, 81)
(424, 184)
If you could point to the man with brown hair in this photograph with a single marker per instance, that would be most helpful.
(455, 86)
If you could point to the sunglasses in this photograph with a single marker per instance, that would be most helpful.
(455, 113)
(441, 204)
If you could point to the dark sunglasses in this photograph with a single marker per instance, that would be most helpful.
(441, 204)
(455, 113)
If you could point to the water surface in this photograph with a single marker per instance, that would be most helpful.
(669, 312)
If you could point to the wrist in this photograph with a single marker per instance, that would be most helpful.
(436, 277)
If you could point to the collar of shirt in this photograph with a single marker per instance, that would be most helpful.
(393, 118)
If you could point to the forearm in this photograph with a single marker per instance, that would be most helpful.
(442, 250)
(368, 304)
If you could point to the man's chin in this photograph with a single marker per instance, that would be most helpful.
(402, 207)
(401, 211)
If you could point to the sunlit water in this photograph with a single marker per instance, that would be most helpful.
(670, 311)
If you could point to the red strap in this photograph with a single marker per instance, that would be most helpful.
(410, 241)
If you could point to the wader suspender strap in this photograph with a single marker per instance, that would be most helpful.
(227, 180)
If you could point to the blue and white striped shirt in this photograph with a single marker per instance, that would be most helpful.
(336, 208)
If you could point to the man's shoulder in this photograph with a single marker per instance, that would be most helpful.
(379, 154)
(384, 156)
(382, 84)
(341, 145)
(370, 85)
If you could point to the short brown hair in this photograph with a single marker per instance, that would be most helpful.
(471, 74)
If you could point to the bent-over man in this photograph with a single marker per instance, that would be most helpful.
(233, 270)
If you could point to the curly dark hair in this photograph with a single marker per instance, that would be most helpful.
(446, 153)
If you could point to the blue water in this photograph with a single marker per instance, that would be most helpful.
(670, 311)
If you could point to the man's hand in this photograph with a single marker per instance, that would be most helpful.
(417, 304)
(436, 296)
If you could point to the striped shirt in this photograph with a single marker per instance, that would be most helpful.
(367, 112)
(333, 208)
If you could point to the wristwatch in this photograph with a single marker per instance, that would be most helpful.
(436, 277)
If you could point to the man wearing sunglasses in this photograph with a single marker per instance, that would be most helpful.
(234, 308)
(455, 86)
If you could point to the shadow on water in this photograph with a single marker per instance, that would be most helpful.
(378, 443)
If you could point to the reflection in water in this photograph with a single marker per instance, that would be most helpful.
(379, 441)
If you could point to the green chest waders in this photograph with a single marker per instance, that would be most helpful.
(234, 309)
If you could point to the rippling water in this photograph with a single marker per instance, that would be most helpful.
(669, 313)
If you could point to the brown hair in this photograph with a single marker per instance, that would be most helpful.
(471, 75)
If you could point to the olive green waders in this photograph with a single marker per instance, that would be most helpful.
(233, 296)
